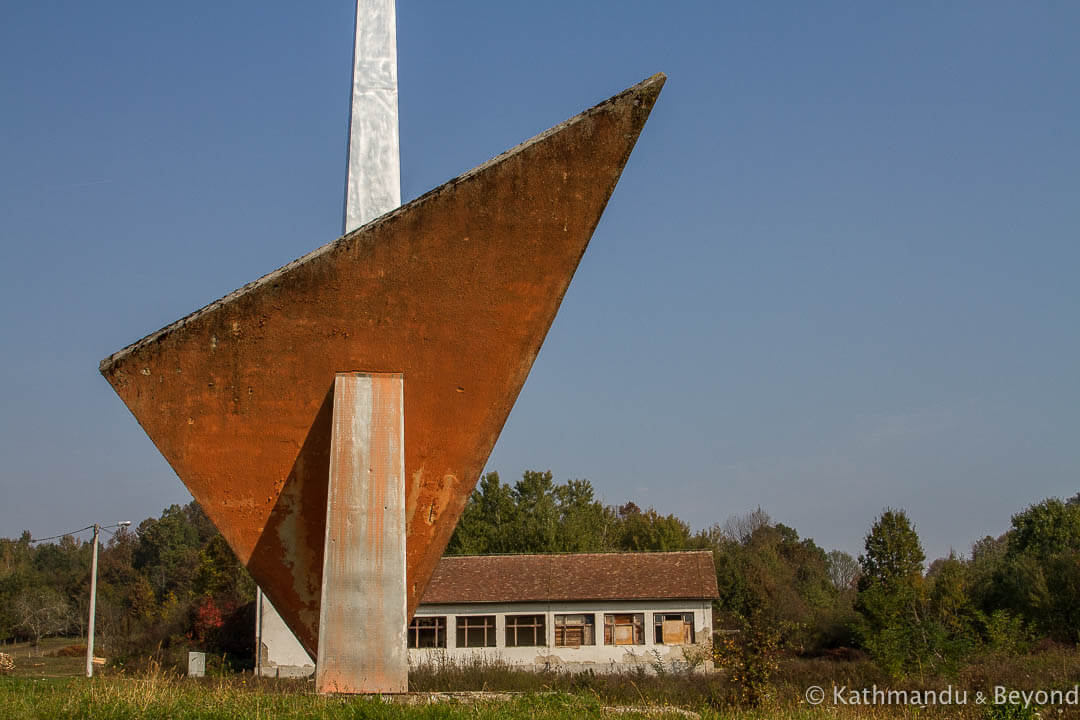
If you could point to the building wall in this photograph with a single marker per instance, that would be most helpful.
(598, 657)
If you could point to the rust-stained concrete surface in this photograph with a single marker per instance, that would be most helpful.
(455, 290)
(362, 644)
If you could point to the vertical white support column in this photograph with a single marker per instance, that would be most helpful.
(373, 176)
(362, 637)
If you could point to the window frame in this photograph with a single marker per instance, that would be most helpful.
(587, 627)
(658, 627)
(516, 628)
(464, 623)
(636, 621)
(425, 624)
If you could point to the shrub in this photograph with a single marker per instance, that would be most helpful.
(1007, 633)
(750, 656)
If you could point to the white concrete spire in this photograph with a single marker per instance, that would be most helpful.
(373, 179)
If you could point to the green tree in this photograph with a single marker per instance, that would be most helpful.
(168, 548)
(894, 554)
(487, 523)
(1032, 574)
(1046, 529)
(770, 577)
(950, 596)
(585, 524)
(538, 515)
(649, 531)
(536, 518)
(141, 601)
(891, 595)
(953, 624)
(220, 575)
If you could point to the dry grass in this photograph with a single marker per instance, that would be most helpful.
(163, 694)
(1050, 668)
(162, 697)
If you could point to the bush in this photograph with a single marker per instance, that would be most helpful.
(751, 656)
(1006, 632)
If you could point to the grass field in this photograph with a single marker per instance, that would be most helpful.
(38, 690)
(161, 697)
(119, 698)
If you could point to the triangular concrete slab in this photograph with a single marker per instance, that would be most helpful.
(456, 290)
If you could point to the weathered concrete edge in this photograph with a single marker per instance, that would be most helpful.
(651, 86)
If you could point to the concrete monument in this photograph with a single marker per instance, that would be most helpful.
(332, 417)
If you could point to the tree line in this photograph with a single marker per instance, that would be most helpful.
(174, 582)
(1009, 594)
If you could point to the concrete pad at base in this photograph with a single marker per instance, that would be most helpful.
(362, 622)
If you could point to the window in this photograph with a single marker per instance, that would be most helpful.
(476, 631)
(575, 630)
(624, 629)
(525, 631)
(673, 628)
(427, 632)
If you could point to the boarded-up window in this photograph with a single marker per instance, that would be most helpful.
(525, 631)
(427, 632)
(476, 631)
(575, 630)
(624, 629)
(673, 628)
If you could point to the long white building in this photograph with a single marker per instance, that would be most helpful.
(599, 611)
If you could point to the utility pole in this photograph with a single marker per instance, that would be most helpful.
(93, 599)
(93, 603)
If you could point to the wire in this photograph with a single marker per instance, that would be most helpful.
(54, 537)
(75, 532)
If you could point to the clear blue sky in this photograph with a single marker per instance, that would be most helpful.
(840, 271)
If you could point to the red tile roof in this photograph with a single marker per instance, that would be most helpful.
(582, 576)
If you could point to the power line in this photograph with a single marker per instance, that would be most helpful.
(110, 533)
(75, 532)
(54, 537)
